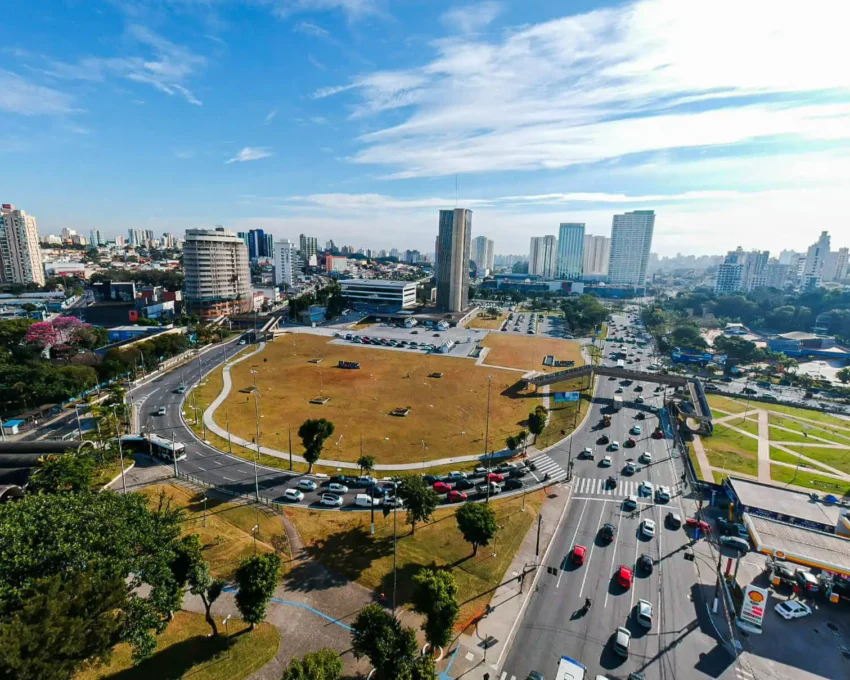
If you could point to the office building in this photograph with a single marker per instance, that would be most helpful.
(412, 256)
(97, 238)
(336, 263)
(453, 245)
(729, 278)
(835, 265)
(814, 265)
(285, 262)
(742, 271)
(789, 257)
(631, 241)
(777, 275)
(120, 241)
(217, 273)
(378, 294)
(597, 252)
(570, 251)
(258, 242)
(483, 254)
(20, 255)
(309, 248)
(136, 237)
(543, 256)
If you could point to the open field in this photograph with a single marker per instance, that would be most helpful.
(827, 432)
(835, 458)
(527, 353)
(227, 537)
(826, 419)
(818, 483)
(448, 414)
(727, 403)
(341, 541)
(564, 416)
(185, 651)
(749, 424)
(730, 450)
(484, 320)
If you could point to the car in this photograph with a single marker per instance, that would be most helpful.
(604, 439)
(605, 462)
(698, 524)
(160, 411)
(641, 416)
(505, 468)
(614, 446)
(334, 487)
(535, 675)
(518, 472)
(635, 429)
(639, 388)
(646, 457)
(622, 640)
(393, 502)
(611, 483)
(456, 496)
(587, 453)
(441, 487)
(306, 485)
(366, 480)
(464, 484)
(645, 488)
(241, 342)
(495, 477)
(726, 379)
(512, 483)
(643, 613)
(343, 479)
(414, 332)
(331, 500)
(709, 387)
(639, 400)
(748, 390)
(807, 581)
(735, 542)
(430, 479)
(631, 442)
(613, 356)
(619, 390)
(662, 494)
(645, 563)
(480, 471)
(293, 496)
(607, 532)
(728, 528)
(792, 609)
(653, 409)
(180, 390)
(647, 528)
(455, 475)
(630, 503)
(375, 491)
(625, 576)
(577, 554)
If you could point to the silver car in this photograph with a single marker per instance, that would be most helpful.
(622, 640)
(643, 613)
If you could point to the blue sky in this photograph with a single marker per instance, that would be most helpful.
(352, 119)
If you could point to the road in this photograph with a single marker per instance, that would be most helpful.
(553, 625)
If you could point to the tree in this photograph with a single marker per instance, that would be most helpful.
(435, 597)
(512, 443)
(366, 463)
(477, 523)
(191, 569)
(323, 664)
(68, 473)
(60, 624)
(380, 637)
(844, 375)
(313, 433)
(419, 499)
(256, 578)
(537, 421)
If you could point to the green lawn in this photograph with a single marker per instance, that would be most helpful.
(828, 433)
(818, 483)
(836, 458)
(726, 403)
(749, 424)
(818, 416)
(185, 651)
(732, 451)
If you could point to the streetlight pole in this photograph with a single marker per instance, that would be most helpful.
(257, 456)
(227, 427)
(290, 448)
(487, 425)
(120, 450)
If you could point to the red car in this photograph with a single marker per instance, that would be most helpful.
(456, 496)
(493, 477)
(442, 487)
(625, 576)
(630, 443)
(695, 523)
(579, 553)
(658, 434)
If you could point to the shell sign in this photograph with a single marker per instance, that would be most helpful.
(755, 602)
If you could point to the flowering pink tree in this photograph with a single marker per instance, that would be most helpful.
(63, 330)
(43, 334)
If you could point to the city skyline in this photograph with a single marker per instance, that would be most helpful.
(366, 142)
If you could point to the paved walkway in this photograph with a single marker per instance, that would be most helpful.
(764, 448)
(702, 459)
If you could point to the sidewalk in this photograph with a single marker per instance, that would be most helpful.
(469, 656)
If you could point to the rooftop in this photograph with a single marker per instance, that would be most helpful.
(382, 283)
(784, 501)
(798, 335)
(798, 544)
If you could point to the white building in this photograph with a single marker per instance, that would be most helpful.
(816, 256)
(597, 252)
(452, 259)
(729, 278)
(483, 254)
(631, 241)
(217, 273)
(20, 255)
(835, 265)
(543, 256)
(309, 249)
(378, 293)
(570, 262)
(285, 262)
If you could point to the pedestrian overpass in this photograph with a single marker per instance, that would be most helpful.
(699, 409)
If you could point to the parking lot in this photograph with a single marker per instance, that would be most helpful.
(426, 339)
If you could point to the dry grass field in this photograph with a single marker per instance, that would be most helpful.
(492, 323)
(527, 353)
(448, 414)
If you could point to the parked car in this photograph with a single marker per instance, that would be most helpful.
(306, 485)
(695, 523)
(622, 640)
(806, 580)
(643, 613)
(293, 496)
(737, 543)
(456, 497)
(792, 609)
(441, 487)
(334, 487)
(331, 500)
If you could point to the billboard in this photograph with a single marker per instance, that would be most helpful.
(691, 357)
(752, 611)
(566, 396)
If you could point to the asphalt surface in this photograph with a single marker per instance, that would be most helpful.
(553, 625)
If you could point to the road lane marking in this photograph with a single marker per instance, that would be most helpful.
(590, 556)
(613, 557)
(573, 542)
(634, 566)
(229, 479)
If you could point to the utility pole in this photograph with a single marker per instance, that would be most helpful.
(487, 425)
(395, 540)
(537, 549)
(290, 448)
(227, 427)
(257, 456)
(173, 452)
(120, 449)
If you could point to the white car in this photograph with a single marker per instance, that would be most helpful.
(161, 411)
(455, 475)
(293, 496)
(647, 528)
(645, 489)
(336, 488)
(646, 457)
(606, 462)
(306, 485)
(643, 613)
(332, 500)
(792, 609)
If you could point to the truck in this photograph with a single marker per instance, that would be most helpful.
(617, 403)
(570, 669)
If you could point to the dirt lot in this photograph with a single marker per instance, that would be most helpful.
(448, 414)
(528, 352)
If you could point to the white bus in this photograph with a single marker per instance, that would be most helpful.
(570, 669)
(160, 447)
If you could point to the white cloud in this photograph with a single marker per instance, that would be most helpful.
(250, 153)
(270, 116)
(643, 77)
(311, 29)
(471, 18)
(21, 96)
(369, 202)
(353, 9)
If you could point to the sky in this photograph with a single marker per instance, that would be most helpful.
(357, 120)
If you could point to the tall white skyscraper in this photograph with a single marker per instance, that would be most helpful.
(835, 265)
(631, 241)
(815, 259)
(570, 262)
(543, 256)
(285, 262)
(482, 253)
(20, 255)
(453, 245)
(597, 252)
(218, 273)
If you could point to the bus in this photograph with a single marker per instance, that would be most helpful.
(617, 403)
(160, 447)
(570, 669)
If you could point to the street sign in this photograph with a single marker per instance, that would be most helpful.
(566, 396)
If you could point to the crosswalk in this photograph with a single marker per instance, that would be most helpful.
(544, 464)
(587, 486)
